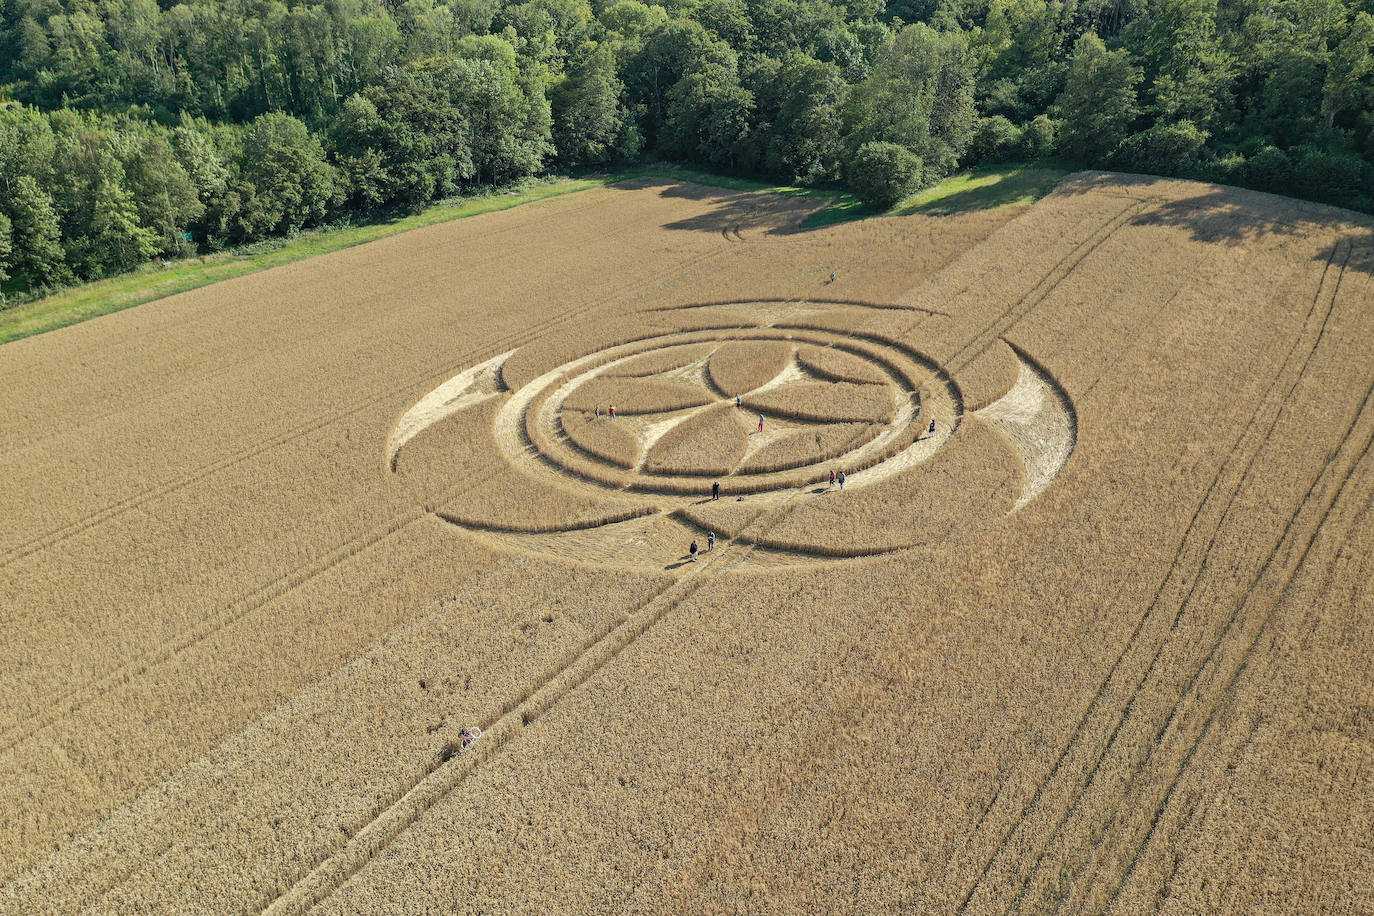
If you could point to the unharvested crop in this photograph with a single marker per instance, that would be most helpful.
(636, 396)
(839, 402)
(240, 639)
(603, 437)
(809, 444)
(658, 361)
(739, 367)
(709, 444)
(514, 501)
(838, 366)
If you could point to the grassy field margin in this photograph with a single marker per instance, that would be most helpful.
(979, 189)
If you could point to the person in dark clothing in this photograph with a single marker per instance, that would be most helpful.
(693, 551)
(715, 489)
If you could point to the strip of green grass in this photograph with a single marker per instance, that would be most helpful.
(984, 188)
(154, 282)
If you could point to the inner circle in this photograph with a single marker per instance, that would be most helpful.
(917, 389)
(678, 416)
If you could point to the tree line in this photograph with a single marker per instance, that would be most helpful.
(133, 129)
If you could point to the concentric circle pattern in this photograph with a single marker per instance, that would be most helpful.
(680, 410)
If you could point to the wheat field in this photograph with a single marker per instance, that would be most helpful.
(1088, 630)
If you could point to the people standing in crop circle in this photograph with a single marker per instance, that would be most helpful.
(739, 401)
(710, 541)
(760, 422)
(612, 411)
(842, 478)
(832, 477)
(715, 489)
(693, 551)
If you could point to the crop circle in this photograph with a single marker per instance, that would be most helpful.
(888, 409)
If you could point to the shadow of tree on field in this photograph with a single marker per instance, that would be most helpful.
(1211, 213)
(1220, 214)
(988, 189)
(735, 210)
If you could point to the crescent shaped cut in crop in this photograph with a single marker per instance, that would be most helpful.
(469, 387)
(1037, 418)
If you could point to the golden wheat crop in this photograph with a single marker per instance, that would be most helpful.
(809, 444)
(243, 639)
(603, 437)
(659, 361)
(840, 402)
(709, 444)
(838, 366)
(636, 396)
(739, 367)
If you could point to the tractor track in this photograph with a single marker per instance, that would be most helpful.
(1187, 602)
(1095, 708)
(57, 709)
(1233, 630)
(409, 803)
(412, 380)
(1023, 307)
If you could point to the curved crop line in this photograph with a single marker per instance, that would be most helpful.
(334, 870)
(822, 551)
(614, 518)
(854, 303)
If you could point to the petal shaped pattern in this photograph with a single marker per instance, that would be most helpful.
(740, 366)
(810, 444)
(826, 402)
(838, 366)
(709, 443)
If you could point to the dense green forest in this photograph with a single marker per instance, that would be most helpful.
(134, 129)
